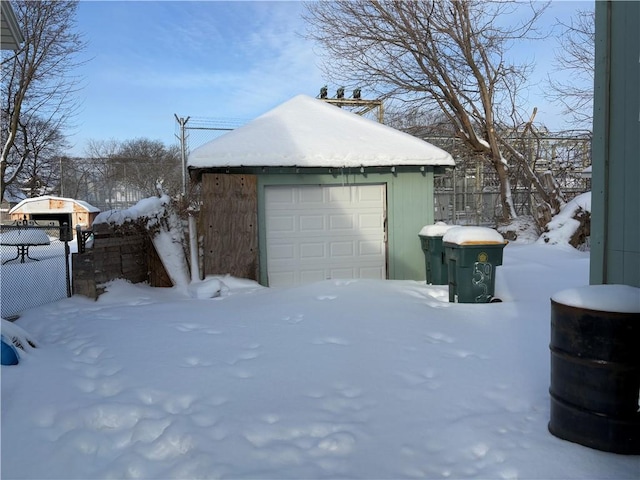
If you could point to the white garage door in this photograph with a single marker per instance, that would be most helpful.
(320, 232)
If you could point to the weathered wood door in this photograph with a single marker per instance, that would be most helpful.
(229, 223)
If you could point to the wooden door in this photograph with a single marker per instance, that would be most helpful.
(229, 219)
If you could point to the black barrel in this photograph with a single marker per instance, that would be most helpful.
(595, 378)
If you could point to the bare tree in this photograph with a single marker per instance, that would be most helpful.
(40, 174)
(116, 174)
(576, 61)
(151, 163)
(37, 84)
(444, 55)
(105, 172)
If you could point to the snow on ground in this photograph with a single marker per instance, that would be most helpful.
(338, 379)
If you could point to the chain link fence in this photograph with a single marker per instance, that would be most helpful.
(470, 193)
(460, 199)
(35, 265)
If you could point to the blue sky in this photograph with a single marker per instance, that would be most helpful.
(150, 60)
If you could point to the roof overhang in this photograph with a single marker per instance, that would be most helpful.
(11, 36)
(196, 173)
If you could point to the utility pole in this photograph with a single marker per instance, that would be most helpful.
(365, 106)
(183, 151)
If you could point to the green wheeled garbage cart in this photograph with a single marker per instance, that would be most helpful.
(431, 241)
(472, 255)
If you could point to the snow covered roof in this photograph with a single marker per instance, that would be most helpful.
(307, 132)
(51, 204)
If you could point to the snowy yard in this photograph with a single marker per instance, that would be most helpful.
(339, 379)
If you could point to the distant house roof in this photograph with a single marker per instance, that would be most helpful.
(307, 132)
(10, 35)
(51, 204)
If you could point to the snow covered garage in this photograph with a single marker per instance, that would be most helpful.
(308, 192)
(48, 209)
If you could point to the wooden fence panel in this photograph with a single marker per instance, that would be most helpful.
(229, 223)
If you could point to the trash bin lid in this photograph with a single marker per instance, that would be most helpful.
(438, 229)
(472, 236)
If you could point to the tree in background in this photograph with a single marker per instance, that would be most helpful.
(150, 163)
(576, 57)
(40, 174)
(448, 56)
(37, 84)
(117, 174)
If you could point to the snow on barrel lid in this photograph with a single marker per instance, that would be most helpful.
(472, 235)
(438, 229)
(604, 298)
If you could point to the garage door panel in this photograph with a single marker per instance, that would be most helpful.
(312, 251)
(371, 272)
(370, 195)
(312, 223)
(282, 197)
(282, 278)
(342, 249)
(286, 251)
(282, 224)
(310, 196)
(370, 220)
(342, 272)
(310, 276)
(366, 249)
(341, 222)
(324, 232)
(339, 196)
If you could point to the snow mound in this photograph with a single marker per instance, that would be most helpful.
(207, 288)
(603, 298)
(470, 235)
(438, 229)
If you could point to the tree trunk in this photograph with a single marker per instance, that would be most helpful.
(506, 200)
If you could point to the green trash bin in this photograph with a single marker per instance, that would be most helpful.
(434, 260)
(472, 255)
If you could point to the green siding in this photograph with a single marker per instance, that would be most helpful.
(409, 208)
(410, 199)
(615, 227)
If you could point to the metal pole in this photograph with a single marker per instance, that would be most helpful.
(183, 151)
(67, 252)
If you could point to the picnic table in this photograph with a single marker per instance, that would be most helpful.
(22, 239)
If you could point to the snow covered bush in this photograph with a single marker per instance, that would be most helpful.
(523, 229)
(572, 225)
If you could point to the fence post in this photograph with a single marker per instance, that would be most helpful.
(67, 251)
(79, 239)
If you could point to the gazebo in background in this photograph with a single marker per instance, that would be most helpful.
(57, 210)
